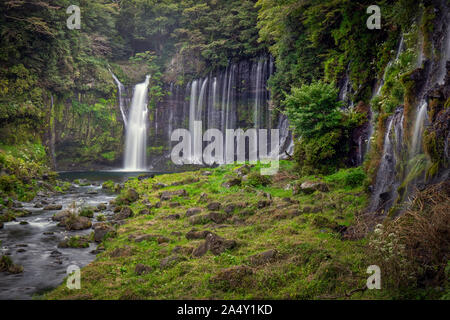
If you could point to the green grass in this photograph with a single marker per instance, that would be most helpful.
(312, 262)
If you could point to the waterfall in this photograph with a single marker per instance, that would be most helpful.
(120, 90)
(257, 103)
(377, 92)
(416, 144)
(136, 132)
(385, 169)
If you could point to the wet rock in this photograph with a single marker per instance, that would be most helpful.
(232, 278)
(21, 250)
(142, 269)
(193, 211)
(48, 233)
(1, 225)
(38, 206)
(263, 257)
(101, 230)
(53, 207)
(17, 204)
(215, 244)
(23, 223)
(101, 206)
(171, 261)
(60, 216)
(124, 213)
(75, 222)
(232, 182)
(213, 206)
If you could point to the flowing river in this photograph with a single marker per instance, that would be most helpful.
(32, 241)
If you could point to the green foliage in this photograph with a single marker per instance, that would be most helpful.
(313, 109)
(255, 179)
(87, 212)
(352, 177)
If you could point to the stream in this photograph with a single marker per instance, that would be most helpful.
(33, 243)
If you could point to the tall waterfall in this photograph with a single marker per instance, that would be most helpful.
(234, 97)
(136, 131)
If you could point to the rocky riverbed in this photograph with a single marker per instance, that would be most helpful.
(36, 242)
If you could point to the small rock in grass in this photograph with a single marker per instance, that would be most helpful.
(193, 211)
(214, 206)
(142, 269)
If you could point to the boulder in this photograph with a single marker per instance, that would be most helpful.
(101, 206)
(171, 261)
(192, 212)
(101, 230)
(194, 234)
(215, 244)
(309, 187)
(53, 207)
(167, 195)
(217, 217)
(214, 206)
(232, 182)
(124, 213)
(75, 222)
(131, 195)
(142, 269)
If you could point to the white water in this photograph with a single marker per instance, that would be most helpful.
(257, 103)
(120, 89)
(419, 124)
(136, 131)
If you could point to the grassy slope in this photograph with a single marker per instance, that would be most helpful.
(312, 261)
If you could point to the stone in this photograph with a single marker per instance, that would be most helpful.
(101, 230)
(214, 206)
(38, 206)
(193, 211)
(60, 216)
(53, 207)
(206, 173)
(173, 217)
(76, 223)
(263, 257)
(231, 207)
(142, 269)
(124, 213)
(101, 206)
(171, 261)
(199, 219)
(23, 223)
(194, 234)
(217, 217)
(1, 225)
(131, 195)
(309, 187)
(232, 182)
(215, 244)
(167, 195)
(144, 212)
(125, 251)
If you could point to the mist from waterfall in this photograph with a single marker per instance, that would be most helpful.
(136, 131)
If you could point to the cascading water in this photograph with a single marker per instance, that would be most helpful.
(120, 90)
(136, 131)
(419, 125)
(236, 97)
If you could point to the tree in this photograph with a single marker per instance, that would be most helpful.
(313, 109)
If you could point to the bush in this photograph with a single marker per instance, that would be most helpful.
(353, 177)
(87, 212)
(256, 180)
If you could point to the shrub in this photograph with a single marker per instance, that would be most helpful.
(256, 180)
(87, 212)
(353, 177)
